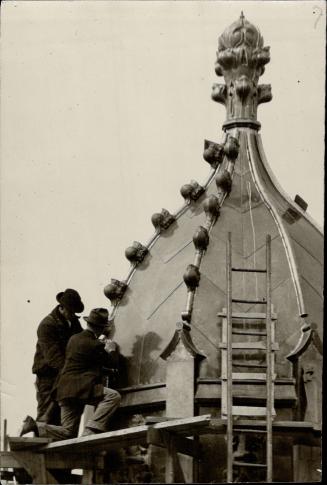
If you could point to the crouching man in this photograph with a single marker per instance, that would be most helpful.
(80, 383)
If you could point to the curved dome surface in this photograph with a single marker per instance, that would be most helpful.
(156, 295)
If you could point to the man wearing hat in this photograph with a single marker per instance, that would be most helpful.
(80, 382)
(53, 334)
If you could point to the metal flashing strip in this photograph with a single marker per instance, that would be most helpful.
(280, 190)
(251, 144)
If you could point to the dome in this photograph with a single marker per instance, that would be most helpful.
(157, 294)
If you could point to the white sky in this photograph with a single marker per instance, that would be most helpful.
(104, 109)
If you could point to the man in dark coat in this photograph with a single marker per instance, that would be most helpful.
(53, 334)
(80, 382)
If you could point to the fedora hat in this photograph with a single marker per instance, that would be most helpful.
(71, 300)
(99, 317)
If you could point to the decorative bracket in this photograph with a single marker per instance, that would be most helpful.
(231, 147)
(184, 336)
(211, 207)
(163, 220)
(192, 277)
(136, 253)
(213, 153)
(224, 181)
(201, 238)
(192, 191)
(302, 344)
(115, 290)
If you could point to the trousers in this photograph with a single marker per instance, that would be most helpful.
(48, 410)
(71, 416)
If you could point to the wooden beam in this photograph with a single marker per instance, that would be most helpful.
(87, 477)
(97, 442)
(54, 460)
(185, 425)
(21, 443)
(99, 467)
(7, 460)
(210, 390)
(182, 445)
(295, 428)
(5, 436)
(158, 419)
(34, 464)
(124, 437)
(57, 460)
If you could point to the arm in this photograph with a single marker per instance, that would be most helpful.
(51, 345)
(111, 349)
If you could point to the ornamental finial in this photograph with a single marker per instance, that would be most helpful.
(241, 58)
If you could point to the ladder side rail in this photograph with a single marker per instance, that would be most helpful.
(229, 362)
(269, 361)
(224, 370)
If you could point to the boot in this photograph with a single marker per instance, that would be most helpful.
(29, 424)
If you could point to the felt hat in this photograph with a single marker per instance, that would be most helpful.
(71, 300)
(99, 317)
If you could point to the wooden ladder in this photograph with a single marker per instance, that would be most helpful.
(229, 411)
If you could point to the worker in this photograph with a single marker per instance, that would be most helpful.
(53, 334)
(80, 382)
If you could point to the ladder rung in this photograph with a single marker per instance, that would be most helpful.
(248, 376)
(249, 332)
(237, 300)
(250, 270)
(252, 423)
(248, 316)
(249, 430)
(253, 465)
(251, 411)
(257, 376)
(250, 345)
(260, 366)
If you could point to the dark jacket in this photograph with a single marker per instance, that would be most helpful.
(81, 377)
(53, 334)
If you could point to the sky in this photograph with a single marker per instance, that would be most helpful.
(104, 110)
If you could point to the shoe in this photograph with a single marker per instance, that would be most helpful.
(90, 431)
(29, 425)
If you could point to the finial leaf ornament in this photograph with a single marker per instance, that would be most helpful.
(213, 153)
(241, 56)
(136, 253)
(219, 93)
(226, 58)
(243, 88)
(264, 93)
(115, 290)
(218, 69)
(192, 277)
(263, 56)
(201, 238)
(163, 220)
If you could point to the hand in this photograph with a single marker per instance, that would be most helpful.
(110, 345)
